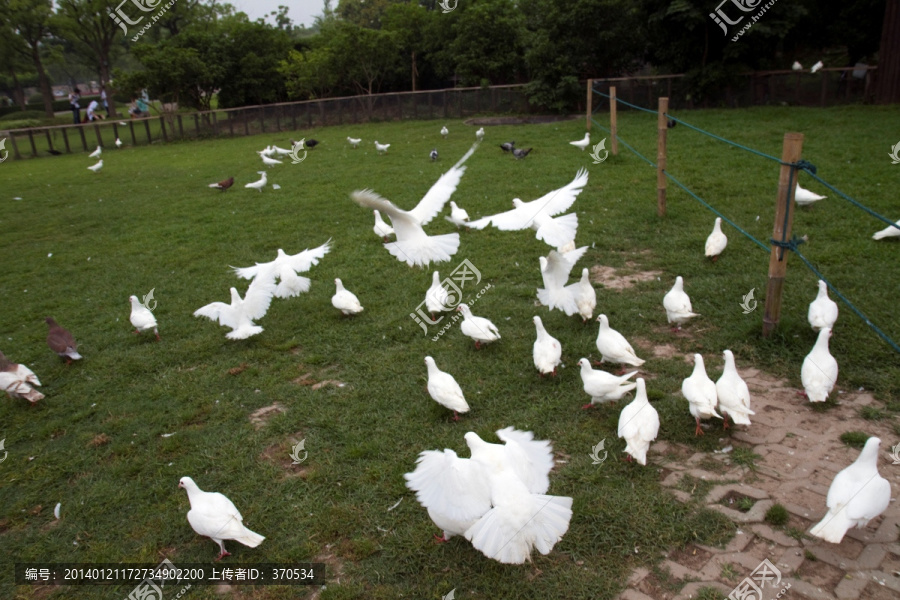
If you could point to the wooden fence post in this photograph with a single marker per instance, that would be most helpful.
(83, 141)
(97, 133)
(147, 129)
(590, 100)
(784, 220)
(613, 126)
(66, 140)
(661, 127)
(130, 129)
(31, 139)
(15, 146)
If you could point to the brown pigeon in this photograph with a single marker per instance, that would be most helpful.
(62, 342)
(18, 380)
(223, 185)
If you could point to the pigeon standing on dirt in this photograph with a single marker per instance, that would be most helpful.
(215, 516)
(820, 370)
(700, 392)
(733, 394)
(602, 386)
(61, 341)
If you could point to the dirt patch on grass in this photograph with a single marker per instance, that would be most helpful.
(100, 439)
(621, 279)
(309, 378)
(280, 456)
(334, 568)
(691, 557)
(238, 369)
(261, 416)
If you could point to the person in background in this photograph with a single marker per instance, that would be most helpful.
(138, 108)
(74, 97)
(91, 114)
(104, 101)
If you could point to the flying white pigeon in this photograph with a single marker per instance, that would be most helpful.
(381, 148)
(547, 351)
(96, 153)
(857, 495)
(444, 131)
(678, 304)
(535, 214)
(118, 143)
(413, 246)
(638, 424)
(478, 328)
(354, 142)
(270, 162)
(18, 381)
(585, 296)
(437, 298)
(258, 185)
(804, 197)
(820, 370)
(584, 143)
(733, 394)
(555, 269)
(613, 346)
(96, 168)
(242, 312)
(344, 300)
(797, 66)
(286, 268)
(889, 231)
(458, 216)
(700, 392)
(602, 386)
(823, 311)
(716, 241)
(479, 135)
(444, 390)
(816, 67)
(141, 317)
(382, 229)
(213, 515)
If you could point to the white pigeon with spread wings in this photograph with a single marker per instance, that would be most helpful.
(141, 317)
(602, 386)
(819, 371)
(889, 231)
(638, 424)
(823, 311)
(555, 269)
(678, 304)
(700, 392)
(413, 246)
(613, 346)
(547, 351)
(857, 495)
(478, 328)
(215, 516)
(286, 268)
(733, 394)
(242, 312)
(444, 389)
(584, 295)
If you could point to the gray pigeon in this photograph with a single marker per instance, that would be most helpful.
(520, 154)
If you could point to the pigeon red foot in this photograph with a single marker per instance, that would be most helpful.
(698, 431)
(222, 555)
(439, 539)
(724, 420)
(587, 406)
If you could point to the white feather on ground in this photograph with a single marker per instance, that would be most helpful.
(547, 351)
(286, 268)
(344, 300)
(242, 312)
(215, 516)
(700, 392)
(823, 311)
(141, 317)
(478, 328)
(613, 346)
(444, 389)
(678, 304)
(819, 371)
(716, 242)
(639, 424)
(555, 269)
(733, 394)
(602, 386)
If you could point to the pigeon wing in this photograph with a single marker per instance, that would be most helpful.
(259, 294)
(220, 312)
(457, 488)
(433, 201)
(305, 260)
(405, 224)
(530, 459)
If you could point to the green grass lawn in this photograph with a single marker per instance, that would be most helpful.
(77, 244)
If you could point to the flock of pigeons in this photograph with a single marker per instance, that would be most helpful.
(497, 498)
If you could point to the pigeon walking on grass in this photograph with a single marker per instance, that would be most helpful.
(437, 297)
(678, 304)
(889, 231)
(700, 392)
(118, 143)
(478, 328)
(638, 424)
(444, 131)
(547, 351)
(224, 184)
(258, 185)
(382, 229)
(520, 153)
(381, 148)
(613, 346)
(96, 153)
(61, 341)
(344, 300)
(444, 390)
(804, 197)
(479, 135)
(142, 318)
(555, 269)
(583, 143)
(458, 216)
(96, 168)
(433, 154)
(584, 295)
(716, 242)
(213, 515)
(602, 386)
(507, 146)
(823, 311)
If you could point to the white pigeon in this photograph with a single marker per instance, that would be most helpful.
(638, 424)
(281, 151)
(889, 231)
(716, 241)
(820, 370)
(678, 304)
(585, 296)
(857, 495)
(437, 298)
(525, 213)
(479, 135)
(444, 131)
(18, 380)
(141, 317)
(444, 390)
(96, 153)
(733, 394)
(613, 346)
(381, 148)
(267, 151)
(270, 162)
(458, 216)
(555, 269)
(242, 312)
(797, 66)
(582, 144)
(354, 142)
(478, 328)
(816, 67)
(602, 386)
(413, 246)
(213, 515)
(382, 229)
(118, 143)
(286, 268)
(547, 351)
(804, 197)
(823, 311)
(700, 392)
(258, 185)
(96, 168)
(344, 300)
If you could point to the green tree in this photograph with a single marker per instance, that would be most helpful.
(412, 25)
(16, 71)
(30, 19)
(489, 43)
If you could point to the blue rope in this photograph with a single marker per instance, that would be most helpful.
(812, 173)
(627, 145)
(626, 103)
(721, 139)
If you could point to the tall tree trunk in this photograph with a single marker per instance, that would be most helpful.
(46, 91)
(887, 89)
(18, 92)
